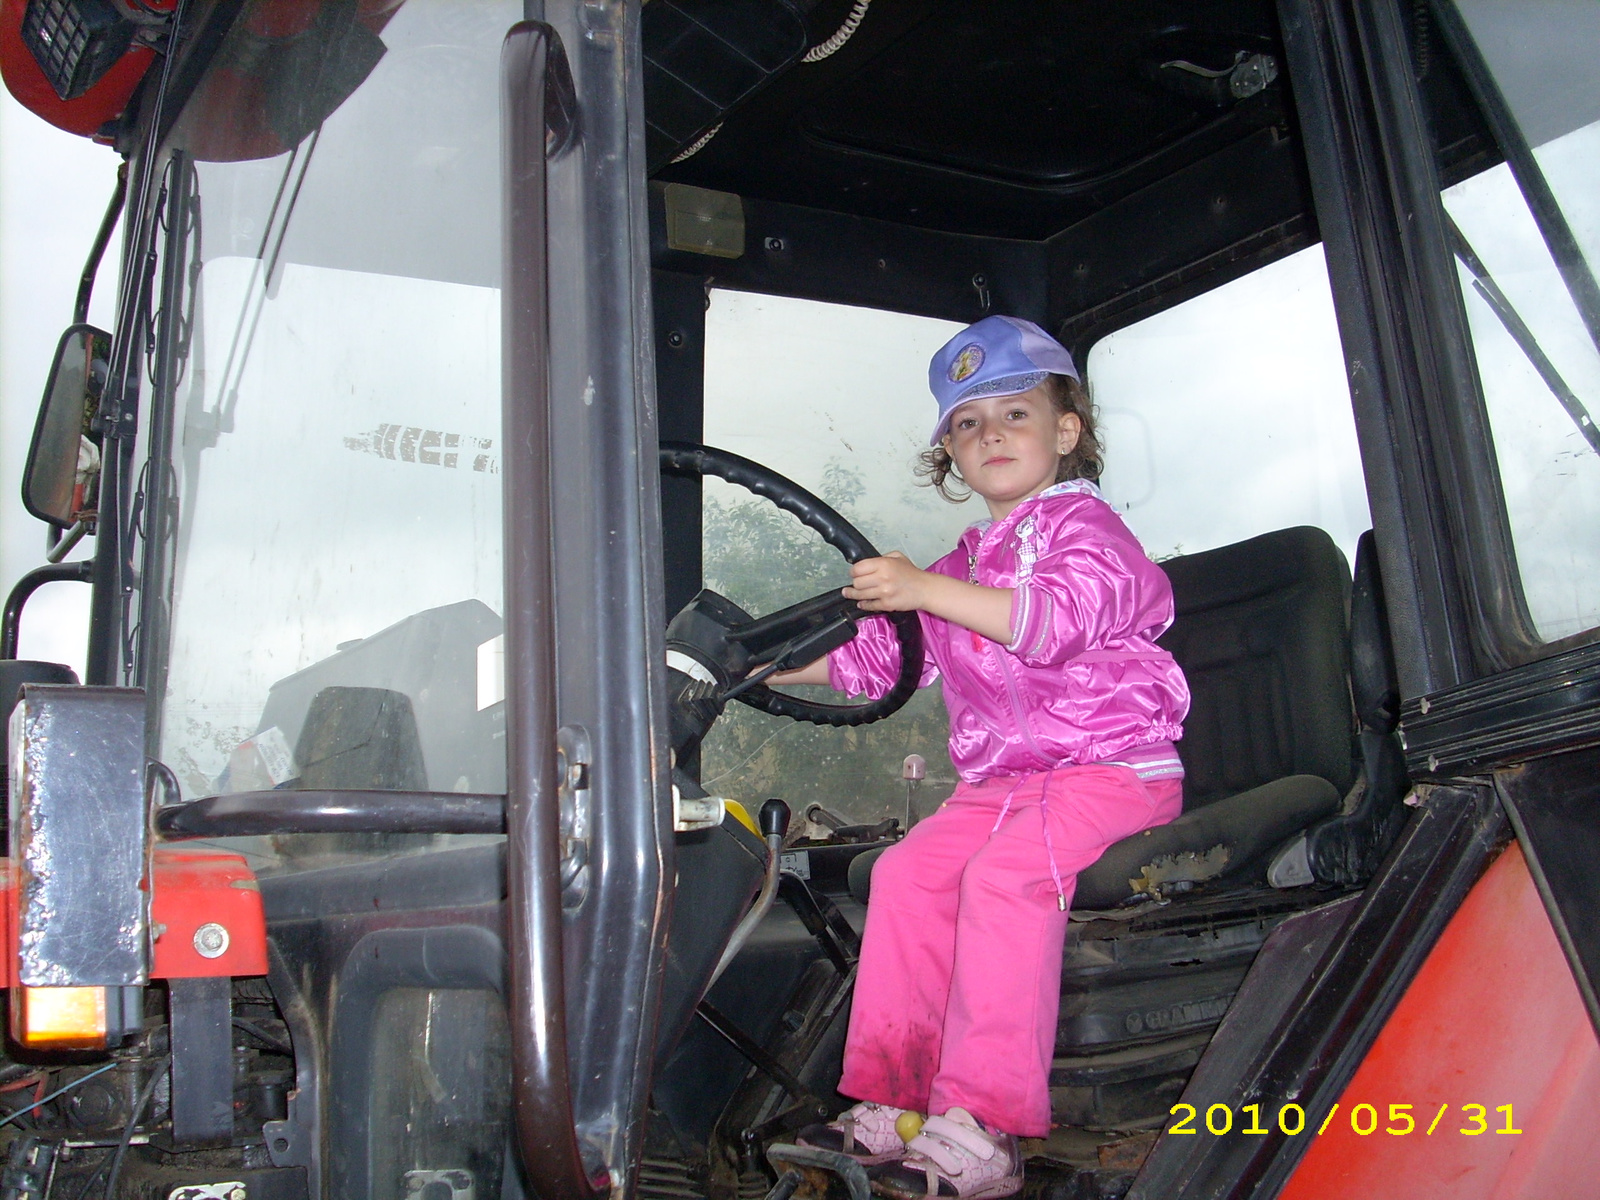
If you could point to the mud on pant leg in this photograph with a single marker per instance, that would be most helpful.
(1000, 1020)
(908, 948)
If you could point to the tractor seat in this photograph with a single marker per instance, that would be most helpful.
(1261, 631)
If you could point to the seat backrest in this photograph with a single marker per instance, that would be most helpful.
(1262, 634)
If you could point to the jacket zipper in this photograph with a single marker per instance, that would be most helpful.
(1016, 707)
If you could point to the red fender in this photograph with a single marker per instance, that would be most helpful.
(1492, 1036)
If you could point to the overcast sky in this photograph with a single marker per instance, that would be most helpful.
(53, 192)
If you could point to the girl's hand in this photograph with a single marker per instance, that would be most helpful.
(893, 584)
(888, 584)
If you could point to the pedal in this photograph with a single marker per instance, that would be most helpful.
(794, 1163)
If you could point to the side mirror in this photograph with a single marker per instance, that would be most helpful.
(61, 480)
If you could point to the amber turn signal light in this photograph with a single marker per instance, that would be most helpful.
(59, 1018)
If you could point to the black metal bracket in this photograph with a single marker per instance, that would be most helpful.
(202, 1061)
(764, 1062)
(11, 622)
(822, 920)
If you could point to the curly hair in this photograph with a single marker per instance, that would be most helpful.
(1084, 461)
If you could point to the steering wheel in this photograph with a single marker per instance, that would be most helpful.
(809, 616)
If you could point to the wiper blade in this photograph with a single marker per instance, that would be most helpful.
(1483, 283)
(1565, 250)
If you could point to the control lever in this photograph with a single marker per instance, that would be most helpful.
(817, 815)
(798, 651)
(914, 770)
(774, 822)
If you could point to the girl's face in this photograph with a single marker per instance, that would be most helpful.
(1008, 448)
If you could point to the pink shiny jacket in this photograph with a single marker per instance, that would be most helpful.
(1082, 680)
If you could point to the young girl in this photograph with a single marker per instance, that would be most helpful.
(1063, 714)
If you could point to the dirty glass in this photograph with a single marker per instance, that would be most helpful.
(835, 398)
(1534, 315)
(439, 1101)
(1229, 416)
(334, 586)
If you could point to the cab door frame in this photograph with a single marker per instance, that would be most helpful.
(1496, 748)
(1481, 697)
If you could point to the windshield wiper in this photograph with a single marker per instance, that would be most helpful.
(1483, 283)
(1565, 250)
(213, 423)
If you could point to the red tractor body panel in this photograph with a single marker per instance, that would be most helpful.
(191, 887)
(1493, 1019)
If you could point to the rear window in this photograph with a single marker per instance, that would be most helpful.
(1228, 415)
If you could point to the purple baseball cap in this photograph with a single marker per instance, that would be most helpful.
(999, 356)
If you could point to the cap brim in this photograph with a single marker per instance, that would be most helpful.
(1010, 385)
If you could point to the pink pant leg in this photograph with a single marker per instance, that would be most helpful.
(907, 952)
(1000, 1019)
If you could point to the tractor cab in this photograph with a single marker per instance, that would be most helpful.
(497, 396)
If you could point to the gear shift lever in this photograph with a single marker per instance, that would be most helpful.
(774, 822)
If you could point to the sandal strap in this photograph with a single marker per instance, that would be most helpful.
(945, 1142)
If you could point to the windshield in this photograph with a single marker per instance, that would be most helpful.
(328, 588)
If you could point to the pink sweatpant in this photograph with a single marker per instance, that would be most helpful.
(960, 976)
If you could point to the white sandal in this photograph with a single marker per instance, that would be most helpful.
(865, 1132)
(953, 1157)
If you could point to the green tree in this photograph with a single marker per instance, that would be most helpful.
(763, 559)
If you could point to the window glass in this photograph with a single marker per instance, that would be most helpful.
(1536, 351)
(438, 1110)
(835, 398)
(1228, 415)
(331, 576)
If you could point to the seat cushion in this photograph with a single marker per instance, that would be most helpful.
(858, 878)
(1229, 839)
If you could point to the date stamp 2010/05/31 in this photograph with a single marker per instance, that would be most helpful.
(1365, 1120)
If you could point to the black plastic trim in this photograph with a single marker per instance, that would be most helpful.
(1554, 806)
(838, 258)
(1540, 709)
(1359, 151)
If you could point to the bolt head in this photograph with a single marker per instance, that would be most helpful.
(211, 940)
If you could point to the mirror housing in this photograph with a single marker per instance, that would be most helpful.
(61, 479)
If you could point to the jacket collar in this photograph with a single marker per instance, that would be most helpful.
(1065, 488)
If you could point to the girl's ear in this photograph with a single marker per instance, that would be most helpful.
(1070, 426)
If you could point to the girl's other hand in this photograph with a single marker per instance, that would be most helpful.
(892, 583)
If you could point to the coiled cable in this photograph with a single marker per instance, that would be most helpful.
(817, 53)
(840, 36)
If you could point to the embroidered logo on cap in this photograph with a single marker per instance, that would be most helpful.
(966, 363)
